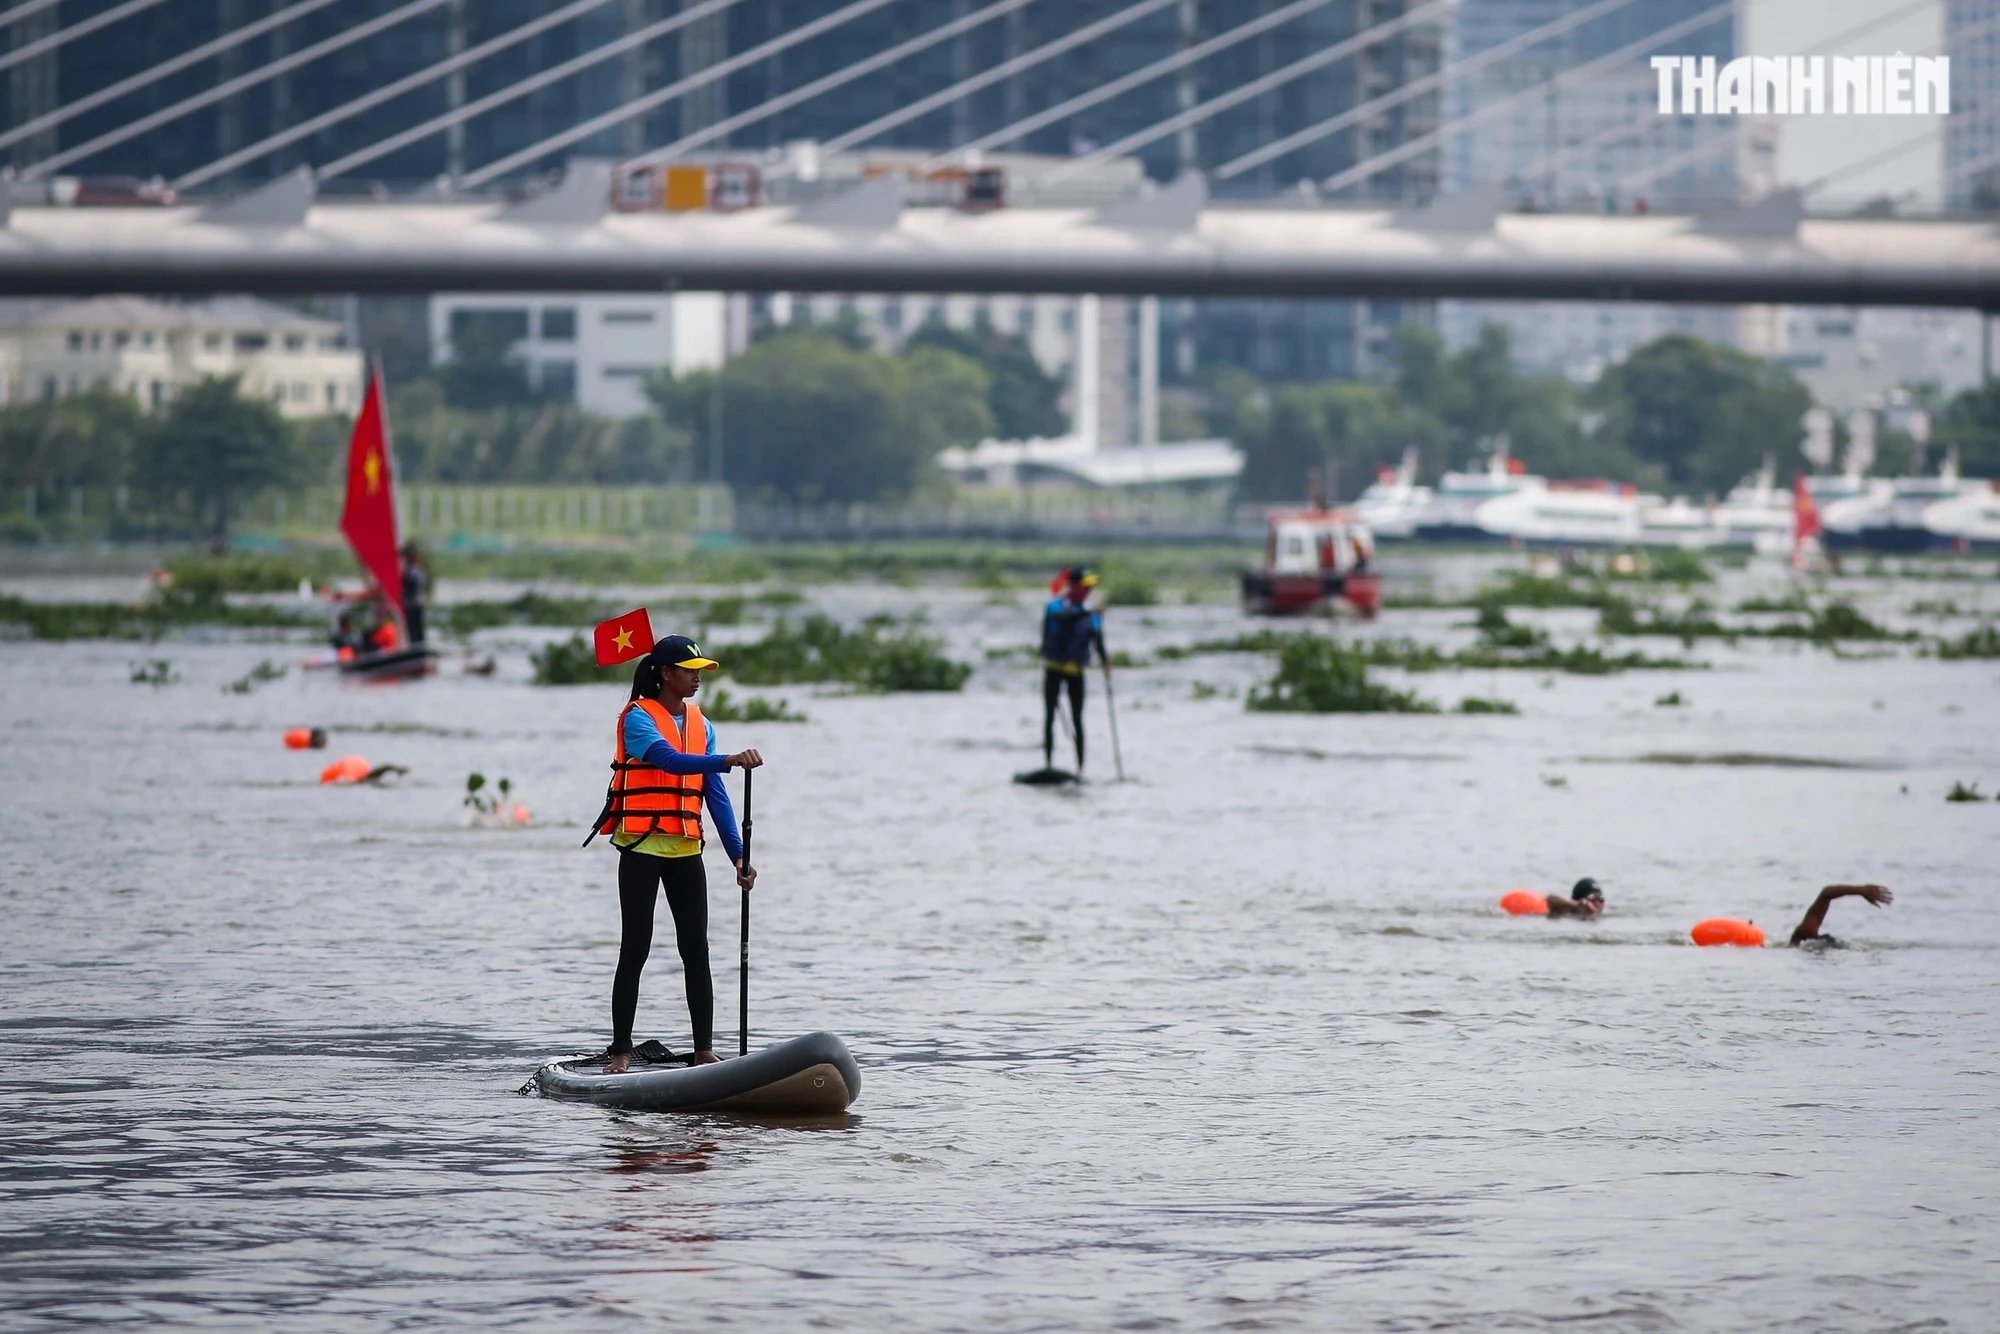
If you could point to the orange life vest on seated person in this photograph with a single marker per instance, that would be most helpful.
(643, 800)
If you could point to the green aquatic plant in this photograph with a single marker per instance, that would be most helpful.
(1496, 631)
(1671, 700)
(264, 671)
(877, 655)
(573, 662)
(1965, 792)
(1479, 704)
(1793, 601)
(1981, 643)
(154, 672)
(482, 801)
(1317, 675)
(719, 706)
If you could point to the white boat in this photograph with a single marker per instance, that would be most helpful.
(1454, 509)
(1891, 516)
(1678, 523)
(1393, 503)
(1758, 513)
(1590, 514)
(1971, 519)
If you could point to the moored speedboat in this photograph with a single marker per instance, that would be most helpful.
(1569, 514)
(1892, 517)
(1393, 503)
(1453, 514)
(1970, 519)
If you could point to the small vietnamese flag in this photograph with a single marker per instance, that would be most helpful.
(623, 638)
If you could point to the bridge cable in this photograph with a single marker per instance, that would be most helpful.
(304, 55)
(81, 28)
(708, 74)
(1416, 87)
(1361, 171)
(1103, 92)
(813, 88)
(375, 97)
(540, 79)
(154, 73)
(1200, 112)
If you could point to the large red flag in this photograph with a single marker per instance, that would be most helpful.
(369, 517)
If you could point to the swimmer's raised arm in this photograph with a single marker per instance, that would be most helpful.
(1815, 917)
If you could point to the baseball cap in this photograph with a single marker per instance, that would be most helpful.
(680, 651)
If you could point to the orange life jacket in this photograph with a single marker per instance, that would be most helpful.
(643, 800)
(387, 636)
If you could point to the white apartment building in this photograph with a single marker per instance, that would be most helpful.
(151, 349)
(595, 350)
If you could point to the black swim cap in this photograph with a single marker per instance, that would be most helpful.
(1585, 888)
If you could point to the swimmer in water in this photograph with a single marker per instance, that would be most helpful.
(1585, 900)
(1807, 932)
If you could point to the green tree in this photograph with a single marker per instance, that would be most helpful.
(221, 448)
(484, 371)
(1344, 430)
(1704, 415)
(807, 417)
(89, 440)
(1970, 423)
(1024, 399)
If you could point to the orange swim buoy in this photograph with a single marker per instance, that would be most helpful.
(346, 769)
(1727, 931)
(1525, 903)
(521, 815)
(306, 738)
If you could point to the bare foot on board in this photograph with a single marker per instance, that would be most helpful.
(706, 1056)
(618, 1063)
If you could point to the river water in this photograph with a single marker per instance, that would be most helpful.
(1241, 1043)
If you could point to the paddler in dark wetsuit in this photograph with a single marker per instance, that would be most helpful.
(664, 771)
(1071, 627)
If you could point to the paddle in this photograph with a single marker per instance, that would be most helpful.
(1111, 704)
(743, 969)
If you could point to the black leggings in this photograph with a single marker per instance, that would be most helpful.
(1052, 684)
(640, 876)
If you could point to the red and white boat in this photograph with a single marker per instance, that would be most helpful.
(1316, 560)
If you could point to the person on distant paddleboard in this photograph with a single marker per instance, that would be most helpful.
(1071, 626)
(665, 769)
(1807, 932)
(1585, 900)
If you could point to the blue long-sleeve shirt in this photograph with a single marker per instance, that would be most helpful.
(642, 738)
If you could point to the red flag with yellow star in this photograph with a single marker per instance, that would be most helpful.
(369, 517)
(623, 638)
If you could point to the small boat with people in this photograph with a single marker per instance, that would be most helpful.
(1316, 560)
(378, 633)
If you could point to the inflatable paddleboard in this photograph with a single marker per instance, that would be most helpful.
(809, 1076)
(1047, 777)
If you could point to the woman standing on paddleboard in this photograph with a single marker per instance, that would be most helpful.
(664, 771)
